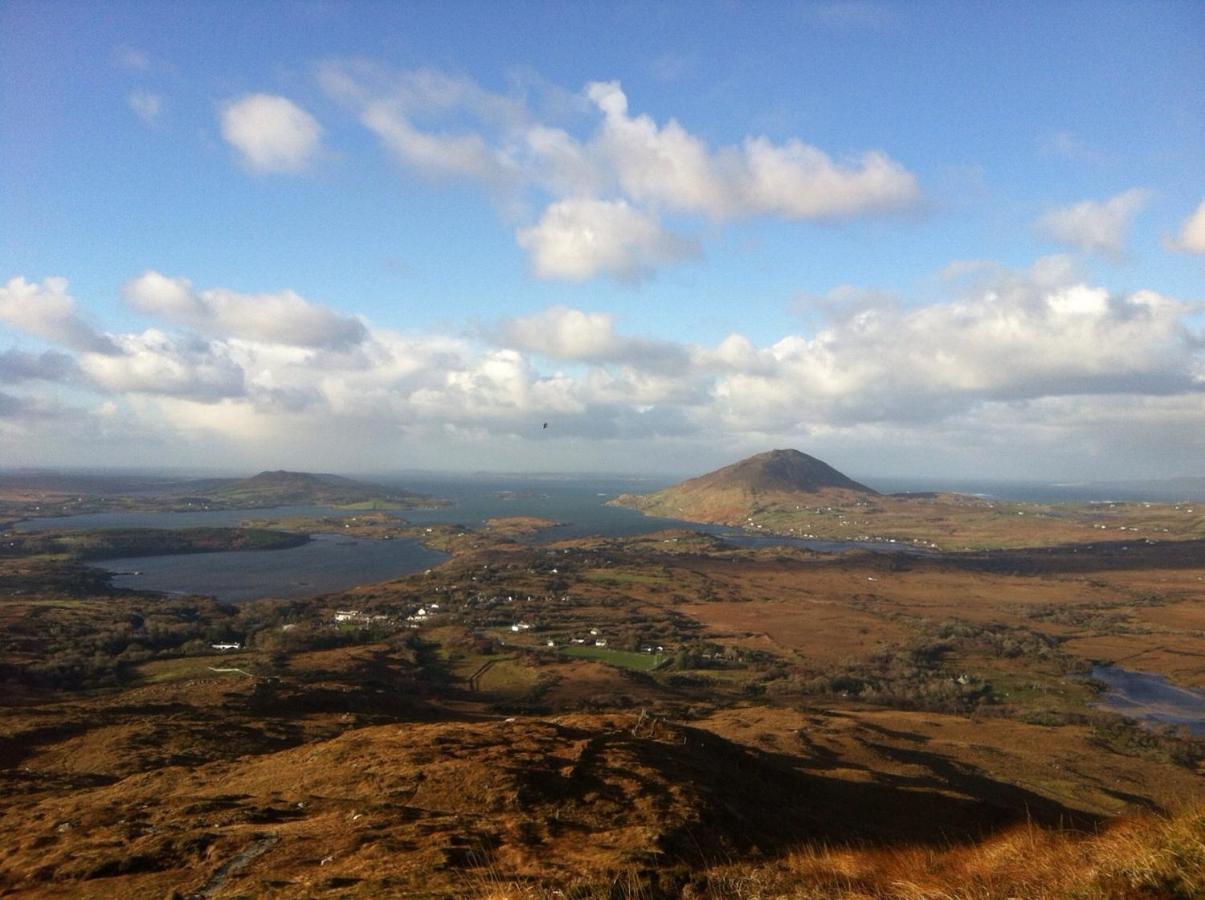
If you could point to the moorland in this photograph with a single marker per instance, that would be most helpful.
(661, 715)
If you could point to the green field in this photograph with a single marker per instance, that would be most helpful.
(625, 659)
(605, 576)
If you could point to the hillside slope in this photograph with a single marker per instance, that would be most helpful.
(284, 488)
(731, 494)
(790, 493)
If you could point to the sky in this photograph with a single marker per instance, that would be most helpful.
(935, 240)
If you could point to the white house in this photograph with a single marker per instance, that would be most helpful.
(232, 645)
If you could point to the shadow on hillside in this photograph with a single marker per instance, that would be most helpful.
(1095, 557)
(949, 803)
(1067, 558)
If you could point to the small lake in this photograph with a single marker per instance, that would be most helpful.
(328, 563)
(1151, 698)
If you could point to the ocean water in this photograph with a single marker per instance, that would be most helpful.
(578, 503)
(334, 562)
(328, 563)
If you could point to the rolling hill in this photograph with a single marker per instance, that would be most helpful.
(283, 488)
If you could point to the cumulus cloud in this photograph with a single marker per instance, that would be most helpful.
(443, 155)
(157, 363)
(623, 170)
(580, 239)
(571, 334)
(50, 365)
(271, 133)
(1191, 238)
(146, 106)
(1013, 354)
(668, 166)
(280, 318)
(1095, 226)
(564, 333)
(47, 311)
(1019, 338)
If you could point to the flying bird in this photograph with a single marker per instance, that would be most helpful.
(545, 424)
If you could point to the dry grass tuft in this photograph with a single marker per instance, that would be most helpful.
(1134, 859)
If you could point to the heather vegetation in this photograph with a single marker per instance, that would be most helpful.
(658, 716)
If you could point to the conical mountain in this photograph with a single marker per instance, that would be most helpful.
(785, 479)
(777, 470)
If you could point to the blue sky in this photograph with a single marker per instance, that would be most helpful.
(679, 231)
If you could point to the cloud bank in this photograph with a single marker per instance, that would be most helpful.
(1038, 353)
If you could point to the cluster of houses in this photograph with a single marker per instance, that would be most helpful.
(483, 601)
(595, 639)
(359, 617)
(421, 615)
(594, 642)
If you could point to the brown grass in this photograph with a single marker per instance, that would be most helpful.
(1140, 857)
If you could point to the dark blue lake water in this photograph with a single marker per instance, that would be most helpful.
(1151, 698)
(333, 563)
(328, 563)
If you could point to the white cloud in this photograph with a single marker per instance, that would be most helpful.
(564, 333)
(156, 363)
(1034, 357)
(1191, 238)
(146, 106)
(624, 169)
(50, 365)
(272, 134)
(1017, 338)
(280, 318)
(668, 166)
(438, 155)
(571, 334)
(1095, 227)
(47, 311)
(580, 239)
